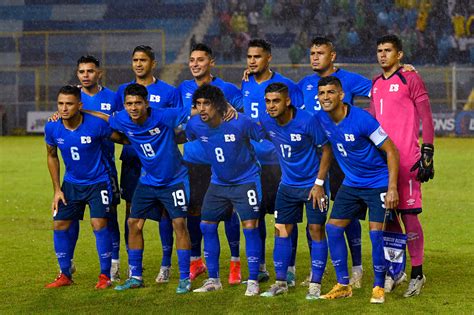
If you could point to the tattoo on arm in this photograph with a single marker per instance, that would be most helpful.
(52, 150)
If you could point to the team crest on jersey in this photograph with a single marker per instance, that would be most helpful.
(86, 139)
(204, 139)
(246, 93)
(375, 90)
(105, 106)
(60, 140)
(155, 98)
(229, 137)
(349, 137)
(295, 137)
(154, 131)
(188, 95)
(394, 88)
(309, 87)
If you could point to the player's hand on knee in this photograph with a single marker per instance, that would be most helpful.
(54, 117)
(391, 199)
(58, 196)
(425, 165)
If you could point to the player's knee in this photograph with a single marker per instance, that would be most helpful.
(134, 226)
(98, 223)
(249, 224)
(283, 230)
(194, 211)
(375, 226)
(179, 226)
(61, 225)
(317, 232)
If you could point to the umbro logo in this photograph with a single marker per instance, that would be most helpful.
(246, 93)
(60, 140)
(309, 87)
(272, 134)
(188, 95)
(204, 139)
(130, 133)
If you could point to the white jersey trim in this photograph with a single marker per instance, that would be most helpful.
(378, 136)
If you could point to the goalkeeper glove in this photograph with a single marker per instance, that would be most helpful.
(425, 163)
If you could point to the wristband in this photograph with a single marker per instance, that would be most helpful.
(319, 182)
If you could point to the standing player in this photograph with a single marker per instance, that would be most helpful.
(399, 102)
(160, 95)
(164, 178)
(201, 61)
(322, 57)
(258, 76)
(99, 98)
(235, 180)
(297, 137)
(364, 152)
(80, 138)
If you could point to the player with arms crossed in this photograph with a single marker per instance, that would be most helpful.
(164, 178)
(297, 137)
(399, 102)
(369, 160)
(80, 138)
(257, 77)
(201, 62)
(160, 95)
(235, 180)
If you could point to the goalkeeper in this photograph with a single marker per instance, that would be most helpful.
(399, 101)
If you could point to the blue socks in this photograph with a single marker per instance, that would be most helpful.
(253, 250)
(62, 247)
(212, 248)
(166, 236)
(262, 229)
(294, 244)
(103, 243)
(354, 238)
(338, 249)
(319, 257)
(135, 262)
(232, 231)
(378, 258)
(195, 234)
(113, 227)
(184, 258)
(73, 232)
(281, 256)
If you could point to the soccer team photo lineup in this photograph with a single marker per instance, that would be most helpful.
(207, 152)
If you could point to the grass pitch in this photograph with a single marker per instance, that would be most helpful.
(27, 260)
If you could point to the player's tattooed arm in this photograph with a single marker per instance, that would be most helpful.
(393, 159)
(54, 172)
(96, 114)
(317, 193)
(119, 138)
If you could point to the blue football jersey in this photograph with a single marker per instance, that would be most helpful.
(160, 95)
(154, 143)
(355, 141)
(296, 144)
(104, 101)
(254, 106)
(228, 148)
(193, 151)
(353, 84)
(81, 149)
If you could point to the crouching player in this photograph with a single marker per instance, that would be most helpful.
(164, 178)
(363, 150)
(235, 180)
(80, 138)
(297, 135)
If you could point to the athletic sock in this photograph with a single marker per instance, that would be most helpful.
(62, 247)
(294, 245)
(195, 234)
(103, 243)
(253, 251)
(166, 236)
(184, 256)
(319, 258)
(338, 250)
(378, 258)
(114, 231)
(415, 241)
(354, 236)
(416, 272)
(135, 260)
(212, 248)
(281, 256)
(232, 231)
(262, 230)
(73, 232)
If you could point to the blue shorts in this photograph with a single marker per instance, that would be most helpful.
(129, 178)
(220, 199)
(149, 202)
(289, 206)
(349, 200)
(97, 196)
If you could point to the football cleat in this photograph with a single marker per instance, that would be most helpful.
(104, 282)
(356, 278)
(115, 272)
(307, 280)
(130, 283)
(164, 275)
(378, 295)
(415, 286)
(391, 284)
(263, 276)
(197, 268)
(314, 291)
(337, 292)
(61, 281)
(253, 288)
(209, 285)
(72, 269)
(290, 279)
(279, 288)
(184, 286)
(234, 272)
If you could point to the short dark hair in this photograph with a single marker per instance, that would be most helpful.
(136, 89)
(71, 90)
(258, 42)
(320, 40)
(276, 87)
(330, 80)
(145, 49)
(213, 94)
(392, 39)
(88, 59)
(203, 47)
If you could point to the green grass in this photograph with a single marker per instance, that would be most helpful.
(27, 260)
